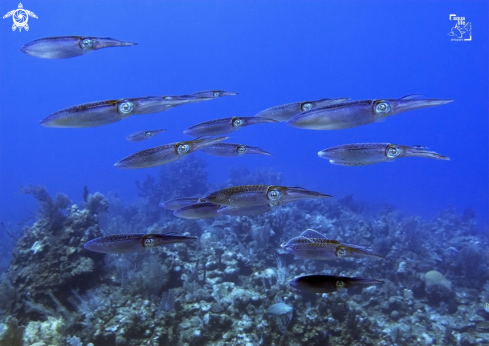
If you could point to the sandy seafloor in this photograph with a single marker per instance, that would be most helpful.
(59, 189)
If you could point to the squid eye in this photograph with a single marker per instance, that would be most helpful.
(149, 242)
(216, 93)
(241, 149)
(382, 108)
(126, 107)
(237, 122)
(392, 151)
(274, 195)
(341, 252)
(183, 149)
(306, 106)
(339, 284)
(86, 43)
(147, 133)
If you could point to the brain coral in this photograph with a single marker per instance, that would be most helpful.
(437, 287)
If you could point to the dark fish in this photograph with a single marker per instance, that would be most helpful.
(61, 47)
(329, 283)
(143, 135)
(127, 243)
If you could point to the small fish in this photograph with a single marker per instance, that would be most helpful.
(198, 211)
(362, 154)
(165, 153)
(357, 113)
(278, 309)
(244, 211)
(289, 110)
(256, 195)
(177, 203)
(62, 47)
(232, 149)
(136, 242)
(224, 125)
(329, 283)
(143, 135)
(313, 245)
(486, 307)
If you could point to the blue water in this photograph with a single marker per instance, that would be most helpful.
(271, 53)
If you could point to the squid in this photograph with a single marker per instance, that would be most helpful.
(107, 112)
(110, 111)
(224, 125)
(143, 135)
(198, 211)
(164, 154)
(361, 154)
(62, 47)
(256, 195)
(232, 149)
(205, 95)
(245, 211)
(313, 245)
(357, 113)
(136, 242)
(289, 110)
(177, 203)
(330, 283)
(209, 95)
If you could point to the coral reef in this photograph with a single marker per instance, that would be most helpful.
(50, 257)
(187, 177)
(214, 291)
(437, 287)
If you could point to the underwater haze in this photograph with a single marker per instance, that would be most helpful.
(428, 217)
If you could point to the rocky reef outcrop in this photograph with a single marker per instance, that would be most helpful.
(214, 291)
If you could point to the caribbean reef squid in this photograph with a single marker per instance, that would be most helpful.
(110, 111)
(166, 153)
(330, 283)
(256, 195)
(62, 47)
(357, 113)
(136, 242)
(313, 245)
(361, 154)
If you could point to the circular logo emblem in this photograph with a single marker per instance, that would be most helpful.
(20, 18)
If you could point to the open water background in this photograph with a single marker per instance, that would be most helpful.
(271, 53)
